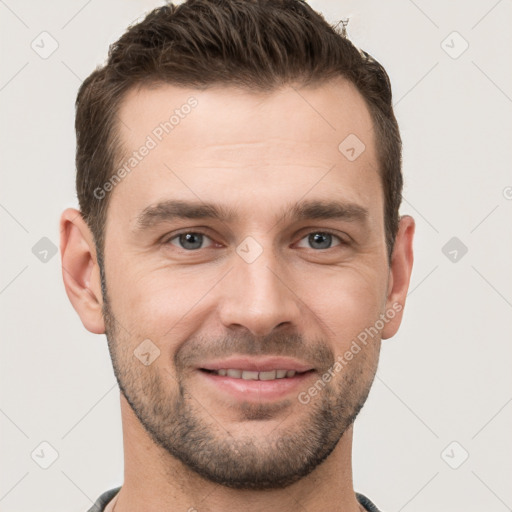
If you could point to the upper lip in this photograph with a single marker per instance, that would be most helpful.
(258, 364)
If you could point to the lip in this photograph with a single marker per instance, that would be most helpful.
(258, 364)
(256, 390)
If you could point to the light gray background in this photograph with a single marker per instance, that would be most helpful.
(444, 377)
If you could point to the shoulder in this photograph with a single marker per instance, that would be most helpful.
(103, 500)
(366, 503)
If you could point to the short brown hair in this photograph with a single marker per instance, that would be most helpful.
(253, 44)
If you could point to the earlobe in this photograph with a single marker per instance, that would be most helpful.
(80, 270)
(400, 275)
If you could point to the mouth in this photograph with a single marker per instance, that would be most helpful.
(256, 380)
(236, 373)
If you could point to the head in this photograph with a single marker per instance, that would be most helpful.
(239, 181)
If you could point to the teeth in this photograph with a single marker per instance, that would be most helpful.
(252, 375)
(249, 375)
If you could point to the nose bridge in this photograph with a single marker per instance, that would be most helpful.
(258, 296)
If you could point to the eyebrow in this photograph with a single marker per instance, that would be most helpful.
(170, 210)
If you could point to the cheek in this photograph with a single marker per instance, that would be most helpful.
(347, 302)
(161, 303)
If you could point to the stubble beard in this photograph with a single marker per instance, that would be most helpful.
(178, 423)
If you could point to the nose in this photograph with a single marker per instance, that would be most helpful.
(259, 296)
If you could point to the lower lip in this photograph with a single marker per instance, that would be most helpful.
(259, 390)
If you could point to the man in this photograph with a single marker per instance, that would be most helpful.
(239, 243)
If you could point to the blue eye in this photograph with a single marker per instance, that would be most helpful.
(192, 240)
(189, 240)
(322, 240)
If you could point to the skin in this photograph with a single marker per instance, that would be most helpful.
(295, 299)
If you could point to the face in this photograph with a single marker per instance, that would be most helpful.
(245, 252)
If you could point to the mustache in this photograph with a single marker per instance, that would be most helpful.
(199, 349)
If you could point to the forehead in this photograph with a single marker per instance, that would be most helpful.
(229, 115)
(268, 146)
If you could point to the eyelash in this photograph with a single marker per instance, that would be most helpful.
(323, 231)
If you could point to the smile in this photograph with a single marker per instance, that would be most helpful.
(253, 375)
(263, 378)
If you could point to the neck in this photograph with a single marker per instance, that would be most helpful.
(155, 480)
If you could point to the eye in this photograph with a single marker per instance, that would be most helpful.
(189, 240)
(322, 240)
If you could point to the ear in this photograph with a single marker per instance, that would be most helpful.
(80, 270)
(399, 275)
